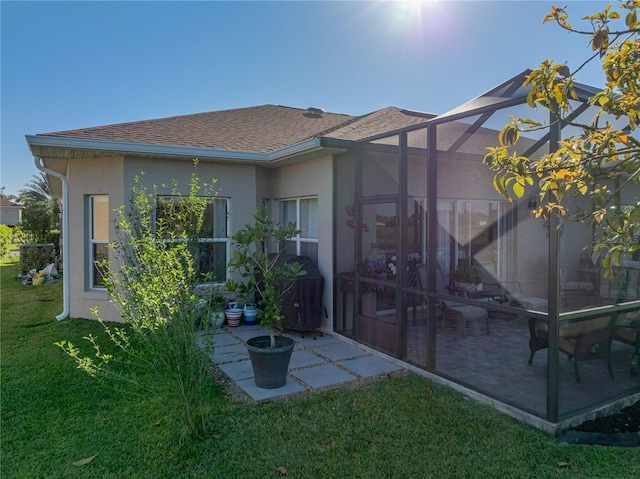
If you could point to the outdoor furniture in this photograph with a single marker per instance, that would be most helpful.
(462, 313)
(581, 340)
(455, 311)
(623, 284)
(577, 294)
(627, 330)
(538, 336)
(587, 340)
(513, 295)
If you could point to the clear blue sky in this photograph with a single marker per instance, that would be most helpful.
(71, 65)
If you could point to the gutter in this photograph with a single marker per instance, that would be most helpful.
(169, 150)
(65, 234)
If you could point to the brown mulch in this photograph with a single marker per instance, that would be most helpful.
(625, 421)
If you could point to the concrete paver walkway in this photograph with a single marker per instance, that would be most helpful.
(316, 362)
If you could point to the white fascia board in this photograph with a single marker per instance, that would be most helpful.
(299, 147)
(172, 150)
(147, 148)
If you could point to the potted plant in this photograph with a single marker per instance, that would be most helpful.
(212, 302)
(268, 278)
(217, 306)
(467, 276)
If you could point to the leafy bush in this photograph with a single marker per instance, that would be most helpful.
(38, 219)
(152, 287)
(6, 234)
(18, 235)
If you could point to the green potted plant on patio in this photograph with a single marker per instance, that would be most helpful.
(212, 302)
(269, 279)
(467, 276)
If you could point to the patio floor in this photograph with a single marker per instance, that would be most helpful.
(317, 362)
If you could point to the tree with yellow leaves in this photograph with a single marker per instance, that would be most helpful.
(603, 158)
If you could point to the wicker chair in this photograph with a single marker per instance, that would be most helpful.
(627, 330)
(581, 340)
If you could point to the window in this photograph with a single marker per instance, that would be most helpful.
(98, 238)
(212, 251)
(304, 213)
(476, 230)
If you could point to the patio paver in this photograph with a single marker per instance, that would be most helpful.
(318, 361)
(369, 366)
(260, 394)
(322, 376)
(228, 353)
(238, 370)
(301, 359)
(337, 352)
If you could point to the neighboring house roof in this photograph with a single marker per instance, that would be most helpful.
(260, 129)
(6, 202)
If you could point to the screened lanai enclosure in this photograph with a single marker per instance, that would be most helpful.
(436, 268)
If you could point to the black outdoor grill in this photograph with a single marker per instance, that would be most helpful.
(302, 307)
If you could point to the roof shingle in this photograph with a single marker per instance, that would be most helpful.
(261, 129)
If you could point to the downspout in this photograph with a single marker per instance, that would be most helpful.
(65, 234)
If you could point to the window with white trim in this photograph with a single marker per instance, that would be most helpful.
(304, 213)
(212, 252)
(98, 238)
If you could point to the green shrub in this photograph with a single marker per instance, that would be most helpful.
(5, 240)
(157, 351)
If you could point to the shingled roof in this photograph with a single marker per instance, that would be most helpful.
(8, 202)
(261, 129)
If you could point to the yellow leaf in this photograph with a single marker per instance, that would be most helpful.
(509, 135)
(518, 190)
(85, 461)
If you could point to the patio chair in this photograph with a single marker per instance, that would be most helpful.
(414, 280)
(587, 340)
(513, 295)
(581, 340)
(454, 311)
(627, 330)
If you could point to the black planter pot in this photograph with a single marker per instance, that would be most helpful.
(270, 365)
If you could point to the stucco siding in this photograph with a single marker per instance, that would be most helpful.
(98, 176)
(313, 178)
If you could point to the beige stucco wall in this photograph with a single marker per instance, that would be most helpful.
(465, 180)
(313, 178)
(245, 185)
(95, 176)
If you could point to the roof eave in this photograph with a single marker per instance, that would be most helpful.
(37, 142)
(65, 146)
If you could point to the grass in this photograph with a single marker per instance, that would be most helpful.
(54, 415)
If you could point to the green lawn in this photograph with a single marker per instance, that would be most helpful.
(54, 415)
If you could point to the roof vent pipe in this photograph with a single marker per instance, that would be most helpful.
(65, 234)
(315, 112)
